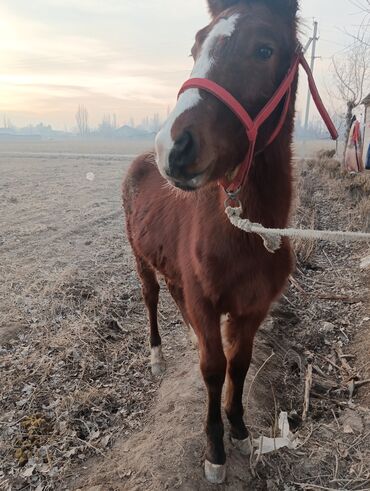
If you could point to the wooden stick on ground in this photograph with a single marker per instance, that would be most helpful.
(360, 383)
(343, 360)
(307, 391)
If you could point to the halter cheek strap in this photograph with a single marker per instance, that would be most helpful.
(252, 126)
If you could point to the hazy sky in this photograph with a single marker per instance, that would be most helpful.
(127, 57)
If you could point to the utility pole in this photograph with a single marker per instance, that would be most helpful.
(313, 58)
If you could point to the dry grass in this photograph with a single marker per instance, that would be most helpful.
(355, 188)
(335, 449)
(76, 378)
(305, 248)
(356, 185)
(82, 380)
(364, 212)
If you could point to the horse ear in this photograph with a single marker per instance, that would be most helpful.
(292, 5)
(218, 6)
(284, 7)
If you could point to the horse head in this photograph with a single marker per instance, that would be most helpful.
(246, 49)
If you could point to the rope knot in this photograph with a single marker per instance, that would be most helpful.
(271, 243)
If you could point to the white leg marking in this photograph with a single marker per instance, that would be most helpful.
(157, 362)
(215, 474)
(189, 99)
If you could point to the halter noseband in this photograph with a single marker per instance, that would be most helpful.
(252, 126)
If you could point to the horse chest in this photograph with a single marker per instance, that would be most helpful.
(237, 280)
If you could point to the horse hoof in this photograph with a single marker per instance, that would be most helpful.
(215, 474)
(244, 446)
(158, 369)
(157, 362)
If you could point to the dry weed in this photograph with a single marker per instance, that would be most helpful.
(83, 379)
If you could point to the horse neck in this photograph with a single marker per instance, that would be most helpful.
(266, 196)
(267, 193)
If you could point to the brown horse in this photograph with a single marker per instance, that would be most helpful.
(175, 210)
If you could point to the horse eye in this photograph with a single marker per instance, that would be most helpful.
(264, 53)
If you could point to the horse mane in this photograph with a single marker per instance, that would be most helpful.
(286, 8)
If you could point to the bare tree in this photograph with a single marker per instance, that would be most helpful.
(362, 36)
(363, 5)
(7, 124)
(352, 75)
(108, 124)
(82, 119)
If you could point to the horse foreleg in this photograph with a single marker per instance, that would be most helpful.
(239, 335)
(150, 289)
(213, 368)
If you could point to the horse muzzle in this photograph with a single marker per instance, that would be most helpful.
(178, 164)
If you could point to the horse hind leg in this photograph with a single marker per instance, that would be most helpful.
(150, 289)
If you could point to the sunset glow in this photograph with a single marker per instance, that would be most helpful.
(127, 57)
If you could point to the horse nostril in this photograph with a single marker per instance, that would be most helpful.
(184, 143)
(183, 154)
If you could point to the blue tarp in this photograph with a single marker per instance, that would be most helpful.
(367, 163)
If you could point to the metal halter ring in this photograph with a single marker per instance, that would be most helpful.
(233, 199)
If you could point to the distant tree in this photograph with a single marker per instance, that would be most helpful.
(108, 124)
(114, 121)
(152, 124)
(82, 120)
(352, 75)
(7, 124)
(155, 123)
(362, 36)
(316, 130)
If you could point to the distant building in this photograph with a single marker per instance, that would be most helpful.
(366, 103)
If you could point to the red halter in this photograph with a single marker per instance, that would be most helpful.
(252, 126)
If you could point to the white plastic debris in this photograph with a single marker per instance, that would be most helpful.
(28, 471)
(90, 176)
(264, 445)
(365, 263)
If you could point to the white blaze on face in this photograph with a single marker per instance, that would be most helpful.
(191, 97)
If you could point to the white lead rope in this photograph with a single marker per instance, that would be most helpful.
(272, 236)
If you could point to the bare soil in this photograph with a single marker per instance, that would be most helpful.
(79, 407)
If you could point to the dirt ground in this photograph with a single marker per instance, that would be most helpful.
(79, 407)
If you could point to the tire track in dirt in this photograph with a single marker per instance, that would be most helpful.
(104, 219)
(67, 156)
